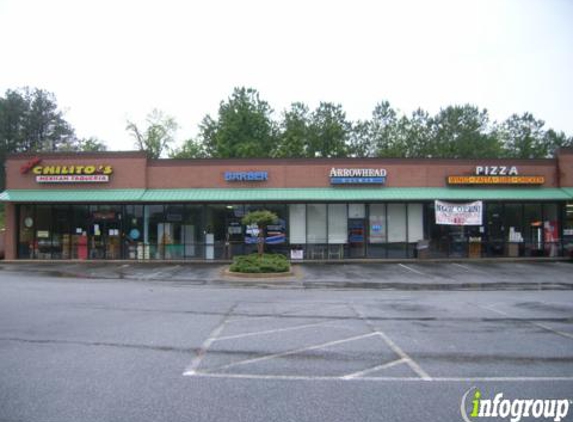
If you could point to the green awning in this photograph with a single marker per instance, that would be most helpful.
(332, 194)
(76, 195)
(350, 194)
(569, 192)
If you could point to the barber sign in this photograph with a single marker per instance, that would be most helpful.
(466, 214)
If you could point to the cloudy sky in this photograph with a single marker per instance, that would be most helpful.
(112, 60)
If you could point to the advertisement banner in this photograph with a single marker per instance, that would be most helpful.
(468, 214)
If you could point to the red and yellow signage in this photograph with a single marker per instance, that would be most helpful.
(77, 173)
(496, 180)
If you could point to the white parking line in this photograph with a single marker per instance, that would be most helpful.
(461, 266)
(192, 368)
(380, 379)
(295, 351)
(159, 274)
(411, 269)
(409, 361)
(545, 327)
(465, 267)
(374, 369)
(537, 324)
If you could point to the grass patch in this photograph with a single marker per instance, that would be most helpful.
(267, 263)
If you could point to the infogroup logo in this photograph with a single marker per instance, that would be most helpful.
(515, 410)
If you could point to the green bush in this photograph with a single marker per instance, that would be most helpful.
(267, 263)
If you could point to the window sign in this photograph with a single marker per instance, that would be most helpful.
(468, 214)
(276, 233)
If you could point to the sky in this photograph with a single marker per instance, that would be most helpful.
(109, 61)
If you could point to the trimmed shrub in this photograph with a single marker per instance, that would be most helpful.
(267, 263)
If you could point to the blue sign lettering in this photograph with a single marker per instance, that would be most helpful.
(246, 176)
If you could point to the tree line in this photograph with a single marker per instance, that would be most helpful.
(246, 126)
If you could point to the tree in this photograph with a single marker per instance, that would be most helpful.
(555, 140)
(385, 139)
(523, 137)
(360, 141)
(189, 149)
(464, 132)
(91, 144)
(30, 121)
(293, 137)
(415, 136)
(158, 135)
(243, 128)
(329, 131)
(262, 219)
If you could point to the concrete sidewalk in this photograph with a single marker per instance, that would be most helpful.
(397, 275)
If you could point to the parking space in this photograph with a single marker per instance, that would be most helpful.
(394, 340)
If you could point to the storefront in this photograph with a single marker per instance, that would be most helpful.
(120, 205)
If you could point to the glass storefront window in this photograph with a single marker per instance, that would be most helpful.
(337, 224)
(551, 230)
(377, 223)
(61, 236)
(154, 229)
(79, 231)
(415, 222)
(396, 222)
(193, 231)
(533, 233)
(316, 214)
(43, 243)
(495, 230)
(133, 232)
(297, 224)
(356, 210)
(27, 226)
(173, 232)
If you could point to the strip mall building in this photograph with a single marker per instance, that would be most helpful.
(121, 205)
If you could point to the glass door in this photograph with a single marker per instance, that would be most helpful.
(356, 237)
(105, 235)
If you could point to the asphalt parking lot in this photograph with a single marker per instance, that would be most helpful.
(102, 349)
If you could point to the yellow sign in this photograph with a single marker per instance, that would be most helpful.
(496, 180)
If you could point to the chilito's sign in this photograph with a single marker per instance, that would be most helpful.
(350, 176)
(496, 175)
(77, 173)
